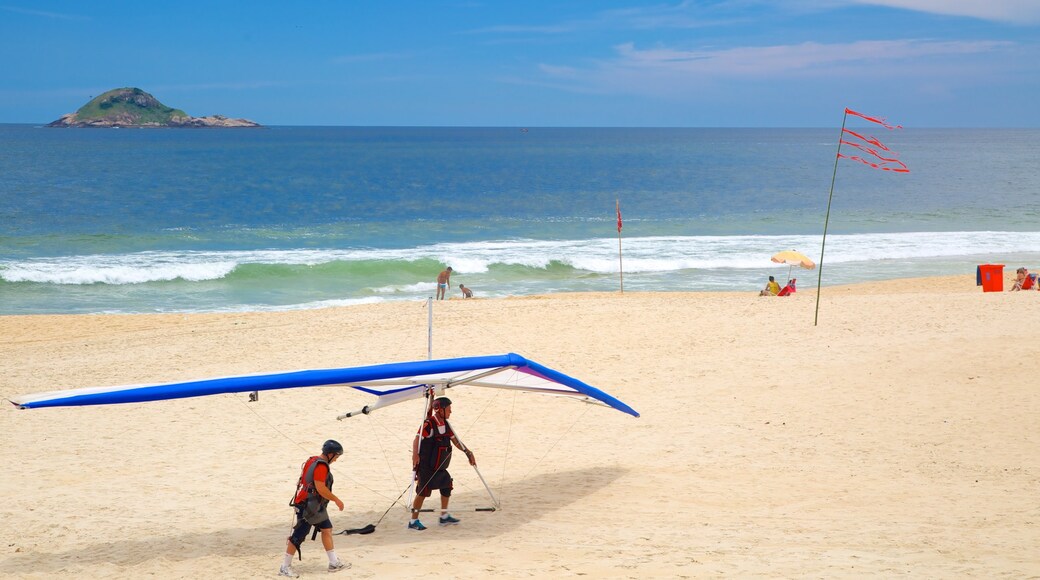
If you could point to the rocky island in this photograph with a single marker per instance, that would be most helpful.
(132, 107)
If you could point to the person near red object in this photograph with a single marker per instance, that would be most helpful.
(772, 288)
(789, 289)
(1024, 281)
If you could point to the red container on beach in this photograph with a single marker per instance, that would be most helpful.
(990, 277)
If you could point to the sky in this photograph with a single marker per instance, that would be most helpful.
(533, 63)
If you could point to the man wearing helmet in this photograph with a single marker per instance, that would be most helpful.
(431, 454)
(313, 494)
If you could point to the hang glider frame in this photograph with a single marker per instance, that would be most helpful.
(438, 388)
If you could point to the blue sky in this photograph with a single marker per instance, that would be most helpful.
(723, 63)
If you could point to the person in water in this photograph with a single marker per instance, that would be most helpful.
(443, 282)
(313, 494)
(431, 454)
(466, 292)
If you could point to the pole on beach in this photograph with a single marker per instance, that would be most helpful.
(884, 162)
(827, 218)
(427, 410)
(429, 327)
(621, 270)
(494, 500)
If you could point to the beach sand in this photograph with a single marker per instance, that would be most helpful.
(898, 437)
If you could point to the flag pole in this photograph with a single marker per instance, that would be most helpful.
(827, 218)
(621, 270)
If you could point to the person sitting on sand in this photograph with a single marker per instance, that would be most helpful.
(1024, 280)
(789, 289)
(466, 292)
(772, 288)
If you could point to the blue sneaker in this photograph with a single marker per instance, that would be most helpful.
(416, 525)
(448, 520)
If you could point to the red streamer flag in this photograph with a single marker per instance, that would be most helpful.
(877, 120)
(871, 146)
(617, 205)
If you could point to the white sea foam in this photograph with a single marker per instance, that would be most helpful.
(406, 288)
(332, 303)
(663, 254)
(337, 302)
(104, 271)
(600, 256)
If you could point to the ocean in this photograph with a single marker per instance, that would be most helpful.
(182, 220)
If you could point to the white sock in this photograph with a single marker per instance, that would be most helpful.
(332, 556)
(287, 561)
(444, 513)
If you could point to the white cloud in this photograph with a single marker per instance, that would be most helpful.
(44, 14)
(1010, 11)
(664, 69)
(683, 15)
(759, 61)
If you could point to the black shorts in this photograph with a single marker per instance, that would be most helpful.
(429, 481)
(302, 528)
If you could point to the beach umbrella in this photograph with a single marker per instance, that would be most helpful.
(792, 259)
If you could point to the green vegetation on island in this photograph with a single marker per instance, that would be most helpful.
(132, 107)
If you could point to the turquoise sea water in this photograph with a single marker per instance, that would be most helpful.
(298, 217)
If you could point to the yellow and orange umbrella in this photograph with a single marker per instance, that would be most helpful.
(792, 259)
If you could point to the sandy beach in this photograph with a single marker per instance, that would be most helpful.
(898, 437)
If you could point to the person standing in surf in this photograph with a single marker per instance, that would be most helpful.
(443, 282)
(313, 494)
(431, 454)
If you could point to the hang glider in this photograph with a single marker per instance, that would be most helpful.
(390, 383)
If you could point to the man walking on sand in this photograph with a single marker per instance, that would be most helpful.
(313, 494)
(443, 281)
(431, 454)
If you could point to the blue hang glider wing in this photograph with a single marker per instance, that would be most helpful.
(389, 383)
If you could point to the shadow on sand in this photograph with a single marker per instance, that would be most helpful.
(523, 502)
